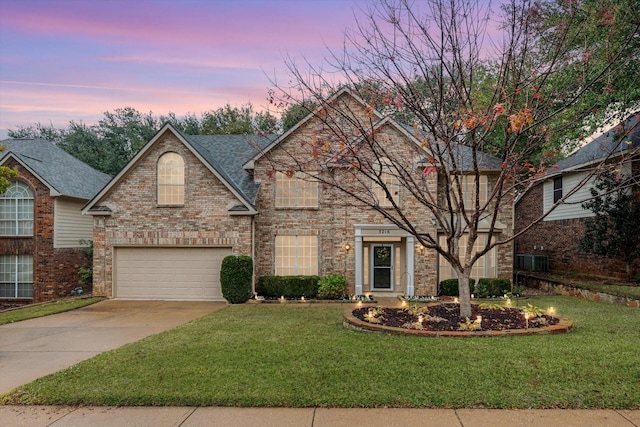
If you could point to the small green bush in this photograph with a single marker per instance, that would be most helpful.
(493, 287)
(449, 287)
(333, 286)
(86, 271)
(287, 286)
(235, 278)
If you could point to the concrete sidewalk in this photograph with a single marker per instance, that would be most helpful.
(33, 348)
(34, 416)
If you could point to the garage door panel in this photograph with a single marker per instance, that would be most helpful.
(169, 273)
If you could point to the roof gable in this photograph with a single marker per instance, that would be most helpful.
(60, 171)
(329, 103)
(222, 154)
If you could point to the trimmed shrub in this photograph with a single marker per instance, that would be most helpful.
(235, 278)
(493, 287)
(86, 271)
(333, 286)
(287, 286)
(449, 287)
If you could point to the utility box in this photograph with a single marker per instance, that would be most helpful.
(529, 262)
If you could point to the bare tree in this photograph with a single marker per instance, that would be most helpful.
(479, 89)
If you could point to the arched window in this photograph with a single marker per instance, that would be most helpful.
(171, 179)
(16, 211)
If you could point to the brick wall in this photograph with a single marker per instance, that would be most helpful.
(503, 228)
(559, 239)
(137, 220)
(55, 271)
(333, 221)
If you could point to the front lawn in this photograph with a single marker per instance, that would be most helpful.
(45, 309)
(298, 356)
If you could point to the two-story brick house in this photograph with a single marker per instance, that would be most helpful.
(163, 225)
(41, 224)
(556, 237)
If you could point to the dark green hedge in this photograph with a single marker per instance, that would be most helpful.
(287, 286)
(235, 278)
(493, 287)
(449, 287)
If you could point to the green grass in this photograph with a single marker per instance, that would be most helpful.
(595, 283)
(40, 310)
(299, 356)
(621, 290)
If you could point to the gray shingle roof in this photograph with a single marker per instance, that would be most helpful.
(228, 153)
(464, 155)
(57, 168)
(608, 142)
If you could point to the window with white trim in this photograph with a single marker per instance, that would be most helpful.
(390, 182)
(557, 189)
(296, 255)
(16, 211)
(298, 191)
(171, 179)
(16, 276)
(468, 186)
(485, 266)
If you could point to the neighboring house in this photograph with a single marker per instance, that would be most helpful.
(165, 222)
(41, 224)
(556, 237)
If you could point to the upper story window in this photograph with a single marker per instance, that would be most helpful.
(468, 184)
(557, 189)
(171, 179)
(16, 211)
(297, 191)
(390, 182)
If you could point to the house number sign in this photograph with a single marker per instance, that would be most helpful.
(384, 231)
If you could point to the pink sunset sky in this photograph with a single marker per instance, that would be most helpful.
(63, 60)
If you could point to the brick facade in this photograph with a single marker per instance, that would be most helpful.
(559, 239)
(55, 270)
(334, 221)
(137, 220)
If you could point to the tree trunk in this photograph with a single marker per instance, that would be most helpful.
(464, 294)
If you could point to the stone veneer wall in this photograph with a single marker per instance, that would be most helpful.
(55, 270)
(137, 220)
(560, 288)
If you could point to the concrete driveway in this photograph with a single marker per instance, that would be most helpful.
(34, 348)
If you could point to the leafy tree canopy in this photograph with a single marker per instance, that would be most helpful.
(117, 137)
(468, 79)
(6, 174)
(613, 231)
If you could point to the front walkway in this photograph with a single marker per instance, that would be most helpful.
(310, 417)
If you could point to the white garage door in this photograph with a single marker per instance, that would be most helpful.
(168, 273)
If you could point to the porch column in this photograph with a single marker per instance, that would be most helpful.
(358, 262)
(410, 266)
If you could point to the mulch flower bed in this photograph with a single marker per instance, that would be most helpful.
(446, 317)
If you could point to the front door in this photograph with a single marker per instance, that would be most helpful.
(382, 267)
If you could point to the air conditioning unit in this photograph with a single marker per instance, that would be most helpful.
(529, 262)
